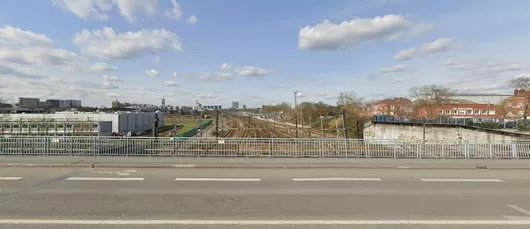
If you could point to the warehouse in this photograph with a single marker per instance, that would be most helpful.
(56, 128)
(122, 122)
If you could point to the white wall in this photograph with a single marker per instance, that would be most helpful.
(434, 132)
(122, 122)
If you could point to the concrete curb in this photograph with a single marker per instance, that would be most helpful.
(244, 166)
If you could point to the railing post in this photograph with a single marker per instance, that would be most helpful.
(126, 146)
(46, 146)
(491, 149)
(466, 149)
(22, 146)
(174, 146)
(514, 150)
(270, 146)
(321, 147)
(395, 149)
(367, 145)
(71, 146)
(418, 149)
(443, 149)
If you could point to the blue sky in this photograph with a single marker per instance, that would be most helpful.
(146, 50)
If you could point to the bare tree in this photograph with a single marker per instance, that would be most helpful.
(4, 116)
(504, 110)
(522, 83)
(350, 102)
(430, 97)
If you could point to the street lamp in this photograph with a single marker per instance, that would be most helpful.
(295, 92)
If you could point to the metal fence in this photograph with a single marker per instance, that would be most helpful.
(478, 122)
(294, 148)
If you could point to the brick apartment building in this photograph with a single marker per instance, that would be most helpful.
(462, 111)
(513, 106)
(397, 107)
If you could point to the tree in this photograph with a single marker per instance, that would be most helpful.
(352, 105)
(4, 108)
(504, 110)
(523, 83)
(430, 97)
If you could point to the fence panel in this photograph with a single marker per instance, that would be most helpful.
(232, 147)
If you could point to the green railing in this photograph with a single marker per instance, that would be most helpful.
(192, 132)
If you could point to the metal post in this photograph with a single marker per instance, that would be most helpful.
(344, 123)
(295, 114)
(321, 127)
(217, 123)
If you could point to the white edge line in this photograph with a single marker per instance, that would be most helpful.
(268, 222)
(10, 178)
(184, 166)
(519, 209)
(106, 178)
(217, 179)
(462, 180)
(337, 179)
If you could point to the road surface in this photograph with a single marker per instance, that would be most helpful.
(263, 198)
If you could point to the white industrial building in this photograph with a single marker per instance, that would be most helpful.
(494, 99)
(56, 128)
(122, 122)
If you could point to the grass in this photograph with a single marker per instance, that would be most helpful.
(184, 123)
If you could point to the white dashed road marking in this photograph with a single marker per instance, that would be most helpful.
(106, 178)
(10, 178)
(338, 179)
(462, 180)
(217, 179)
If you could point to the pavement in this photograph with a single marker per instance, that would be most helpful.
(257, 163)
(262, 198)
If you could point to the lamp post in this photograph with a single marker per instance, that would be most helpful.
(295, 92)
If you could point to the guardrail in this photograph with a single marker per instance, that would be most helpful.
(231, 147)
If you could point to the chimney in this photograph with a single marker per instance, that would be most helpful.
(515, 91)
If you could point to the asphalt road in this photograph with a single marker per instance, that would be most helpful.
(263, 198)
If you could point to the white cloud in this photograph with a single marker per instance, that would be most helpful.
(130, 8)
(111, 78)
(103, 67)
(105, 43)
(108, 85)
(10, 35)
(225, 66)
(211, 76)
(171, 83)
(438, 46)
(175, 12)
(223, 76)
(192, 19)
(152, 73)
(206, 96)
(251, 71)
(99, 9)
(9, 71)
(156, 59)
(113, 95)
(421, 29)
(395, 68)
(330, 36)
(405, 54)
(481, 66)
(398, 80)
(175, 75)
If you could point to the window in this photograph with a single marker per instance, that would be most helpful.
(492, 112)
(520, 103)
(447, 112)
(484, 112)
(509, 103)
(521, 112)
(469, 112)
(455, 112)
(476, 112)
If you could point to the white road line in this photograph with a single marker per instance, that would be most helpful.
(266, 222)
(106, 178)
(217, 179)
(338, 179)
(520, 209)
(10, 178)
(462, 180)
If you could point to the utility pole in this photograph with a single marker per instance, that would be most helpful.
(295, 92)
(344, 123)
(217, 123)
(310, 126)
(321, 127)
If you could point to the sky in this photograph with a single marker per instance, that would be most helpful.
(257, 51)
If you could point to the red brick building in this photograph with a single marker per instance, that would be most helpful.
(515, 105)
(462, 111)
(397, 107)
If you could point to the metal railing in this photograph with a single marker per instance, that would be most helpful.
(293, 148)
